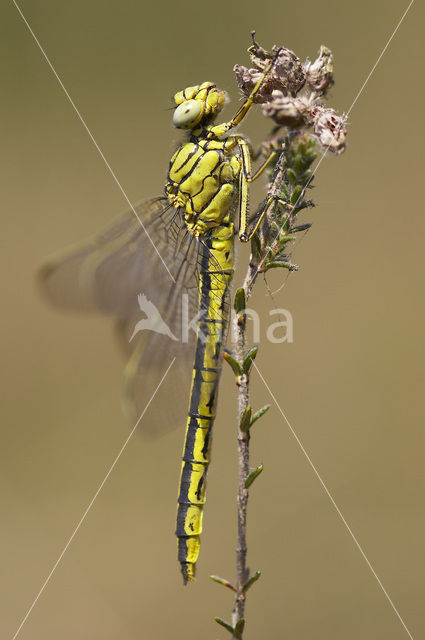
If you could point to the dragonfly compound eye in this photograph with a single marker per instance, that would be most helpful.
(187, 114)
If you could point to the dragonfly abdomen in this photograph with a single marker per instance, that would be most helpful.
(216, 270)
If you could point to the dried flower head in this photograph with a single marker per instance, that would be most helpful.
(286, 76)
(286, 110)
(291, 94)
(329, 128)
(319, 74)
(288, 71)
(247, 79)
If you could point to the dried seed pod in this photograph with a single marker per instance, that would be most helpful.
(286, 110)
(319, 74)
(287, 74)
(329, 128)
(247, 79)
(288, 71)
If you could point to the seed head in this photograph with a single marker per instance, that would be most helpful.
(319, 74)
(329, 128)
(286, 110)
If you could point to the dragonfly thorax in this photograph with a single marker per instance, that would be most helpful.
(203, 180)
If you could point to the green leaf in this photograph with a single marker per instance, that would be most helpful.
(301, 227)
(286, 239)
(250, 356)
(299, 160)
(296, 194)
(304, 204)
(224, 582)
(239, 627)
(276, 264)
(253, 475)
(239, 301)
(259, 414)
(275, 227)
(251, 581)
(285, 193)
(283, 223)
(255, 245)
(230, 359)
(291, 176)
(245, 422)
(224, 624)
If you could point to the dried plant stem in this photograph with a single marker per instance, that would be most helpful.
(243, 461)
(291, 95)
(239, 347)
(242, 573)
(242, 501)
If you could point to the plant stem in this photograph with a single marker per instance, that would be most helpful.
(302, 121)
(239, 341)
(242, 496)
(239, 347)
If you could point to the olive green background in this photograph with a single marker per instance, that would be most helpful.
(351, 383)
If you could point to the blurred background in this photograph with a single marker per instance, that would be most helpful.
(351, 383)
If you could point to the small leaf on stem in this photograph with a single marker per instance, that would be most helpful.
(291, 176)
(286, 239)
(250, 356)
(239, 627)
(254, 474)
(259, 414)
(246, 422)
(285, 191)
(224, 582)
(296, 194)
(231, 360)
(255, 246)
(251, 581)
(276, 264)
(301, 227)
(225, 624)
(239, 302)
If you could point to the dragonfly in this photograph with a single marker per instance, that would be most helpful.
(190, 229)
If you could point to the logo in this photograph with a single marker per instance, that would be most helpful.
(276, 332)
(153, 320)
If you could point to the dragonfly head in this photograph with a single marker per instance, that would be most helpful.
(197, 104)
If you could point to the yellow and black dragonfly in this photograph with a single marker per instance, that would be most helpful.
(189, 233)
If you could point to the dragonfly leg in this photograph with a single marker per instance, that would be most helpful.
(246, 177)
(221, 129)
(246, 236)
(241, 113)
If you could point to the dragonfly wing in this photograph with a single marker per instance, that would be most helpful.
(106, 272)
(121, 272)
(149, 356)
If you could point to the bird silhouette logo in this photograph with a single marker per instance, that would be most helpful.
(153, 321)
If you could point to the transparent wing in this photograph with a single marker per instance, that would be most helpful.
(106, 272)
(121, 272)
